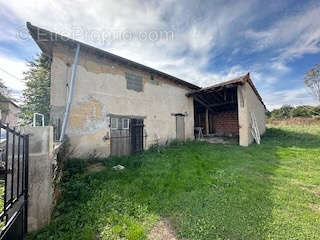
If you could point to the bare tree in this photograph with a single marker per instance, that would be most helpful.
(312, 80)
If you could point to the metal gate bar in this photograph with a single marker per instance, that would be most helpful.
(14, 156)
(136, 135)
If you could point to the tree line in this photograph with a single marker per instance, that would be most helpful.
(288, 111)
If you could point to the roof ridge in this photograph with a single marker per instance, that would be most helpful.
(239, 80)
(64, 39)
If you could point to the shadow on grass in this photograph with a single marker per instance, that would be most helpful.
(208, 191)
(300, 137)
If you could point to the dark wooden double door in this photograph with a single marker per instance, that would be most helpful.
(128, 141)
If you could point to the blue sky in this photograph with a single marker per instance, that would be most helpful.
(209, 41)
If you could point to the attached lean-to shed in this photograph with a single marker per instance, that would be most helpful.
(231, 108)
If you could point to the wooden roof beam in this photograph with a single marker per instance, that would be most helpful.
(221, 104)
(203, 104)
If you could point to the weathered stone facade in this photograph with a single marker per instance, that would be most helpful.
(100, 91)
(109, 86)
(247, 103)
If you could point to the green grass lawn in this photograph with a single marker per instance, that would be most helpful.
(207, 191)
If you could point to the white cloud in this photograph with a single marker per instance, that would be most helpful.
(11, 72)
(7, 19)
(296, 96)
(196, 30)
(200, 32)
(280, 67)
(292, 36)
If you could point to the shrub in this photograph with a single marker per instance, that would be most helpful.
(302, 111)
(287, 111)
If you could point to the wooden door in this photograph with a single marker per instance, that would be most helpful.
(120, 137)
(126, 136)
(180, 127)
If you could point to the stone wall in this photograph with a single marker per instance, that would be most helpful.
(100, 90)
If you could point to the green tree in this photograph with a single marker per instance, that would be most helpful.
(316, 111)
(312, 80)
(302, 111)
(4, 91)
(268, 114)
(36, 96)
(287, 111)
(283, 112)
(4, 95)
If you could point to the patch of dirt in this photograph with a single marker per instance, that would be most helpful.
(311, 188)
(97, 167)
(162, 231)
(315, 207)
(217, 139)
(314, 190)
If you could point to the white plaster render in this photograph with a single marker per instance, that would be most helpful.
(101, 89)
(91, 125)
(251, 104)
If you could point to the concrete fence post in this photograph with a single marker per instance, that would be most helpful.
(41, 185)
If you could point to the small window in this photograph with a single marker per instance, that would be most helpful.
(114, 123)
(119, 123)
(125, 123)
(134, 82)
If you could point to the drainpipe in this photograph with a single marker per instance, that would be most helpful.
(73, 77)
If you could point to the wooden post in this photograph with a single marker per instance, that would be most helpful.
(207, 121)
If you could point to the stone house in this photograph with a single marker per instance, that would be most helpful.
(118, 106)
(9, 112)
